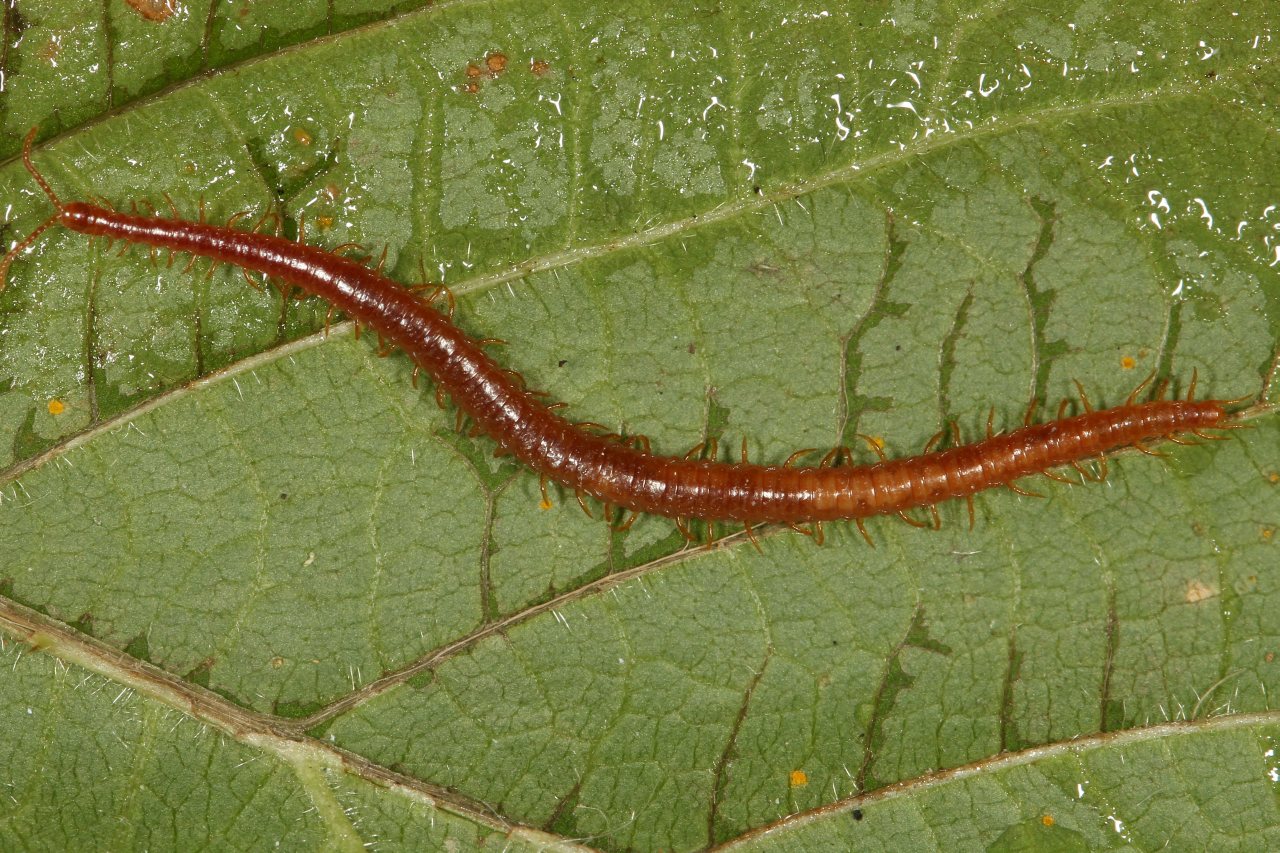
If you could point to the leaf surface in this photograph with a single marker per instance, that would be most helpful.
(276, 594)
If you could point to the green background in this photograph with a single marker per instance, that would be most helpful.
(256, 589)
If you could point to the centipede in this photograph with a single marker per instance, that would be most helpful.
(622, 472)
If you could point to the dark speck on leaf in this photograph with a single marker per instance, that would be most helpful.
(693, 348)
(284, 496)
(562, 362)
(857, 814)
(756, 189)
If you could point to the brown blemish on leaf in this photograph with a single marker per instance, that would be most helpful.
(49, 53)
(473, 70)
(302, 136)
(155, 11)
(1198, 591)
(496, 62)
(539, 67)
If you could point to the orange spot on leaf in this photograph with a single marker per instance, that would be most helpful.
(1128, 362)
(799, 778)
(496, 62)
(56, 407)
(155, 11)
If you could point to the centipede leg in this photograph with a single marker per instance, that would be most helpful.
(745, 461)
(546, 497)
(173, 208)
(991, 419)
(1084, 398)
(794, 457)
(1085, 473)
(798, 529)
(1061, 479)
(875, 446)
(413, 377)
(641, 443)
(751, 536)
(1029, 417)
(459, 419)
(862, 528)
(1177, 439)
(682, 524)
(1102, 468)
(695, 450)
(931, 443)
(382, 259)
(1191, 387)
(248, 278)
(818, 536)
(1062, 408)
(1016, 489)
(328, 316)
(1147, 450)
(937, 519)
(1133, 395)
(909, 520)
(626, 525)
(968, 499)
(440, 392)
(582, 502)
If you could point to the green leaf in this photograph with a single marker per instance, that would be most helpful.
(256, 587)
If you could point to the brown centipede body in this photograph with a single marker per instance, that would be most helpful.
(625, 473)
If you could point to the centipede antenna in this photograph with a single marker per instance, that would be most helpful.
(23, 245)
(35, 173)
